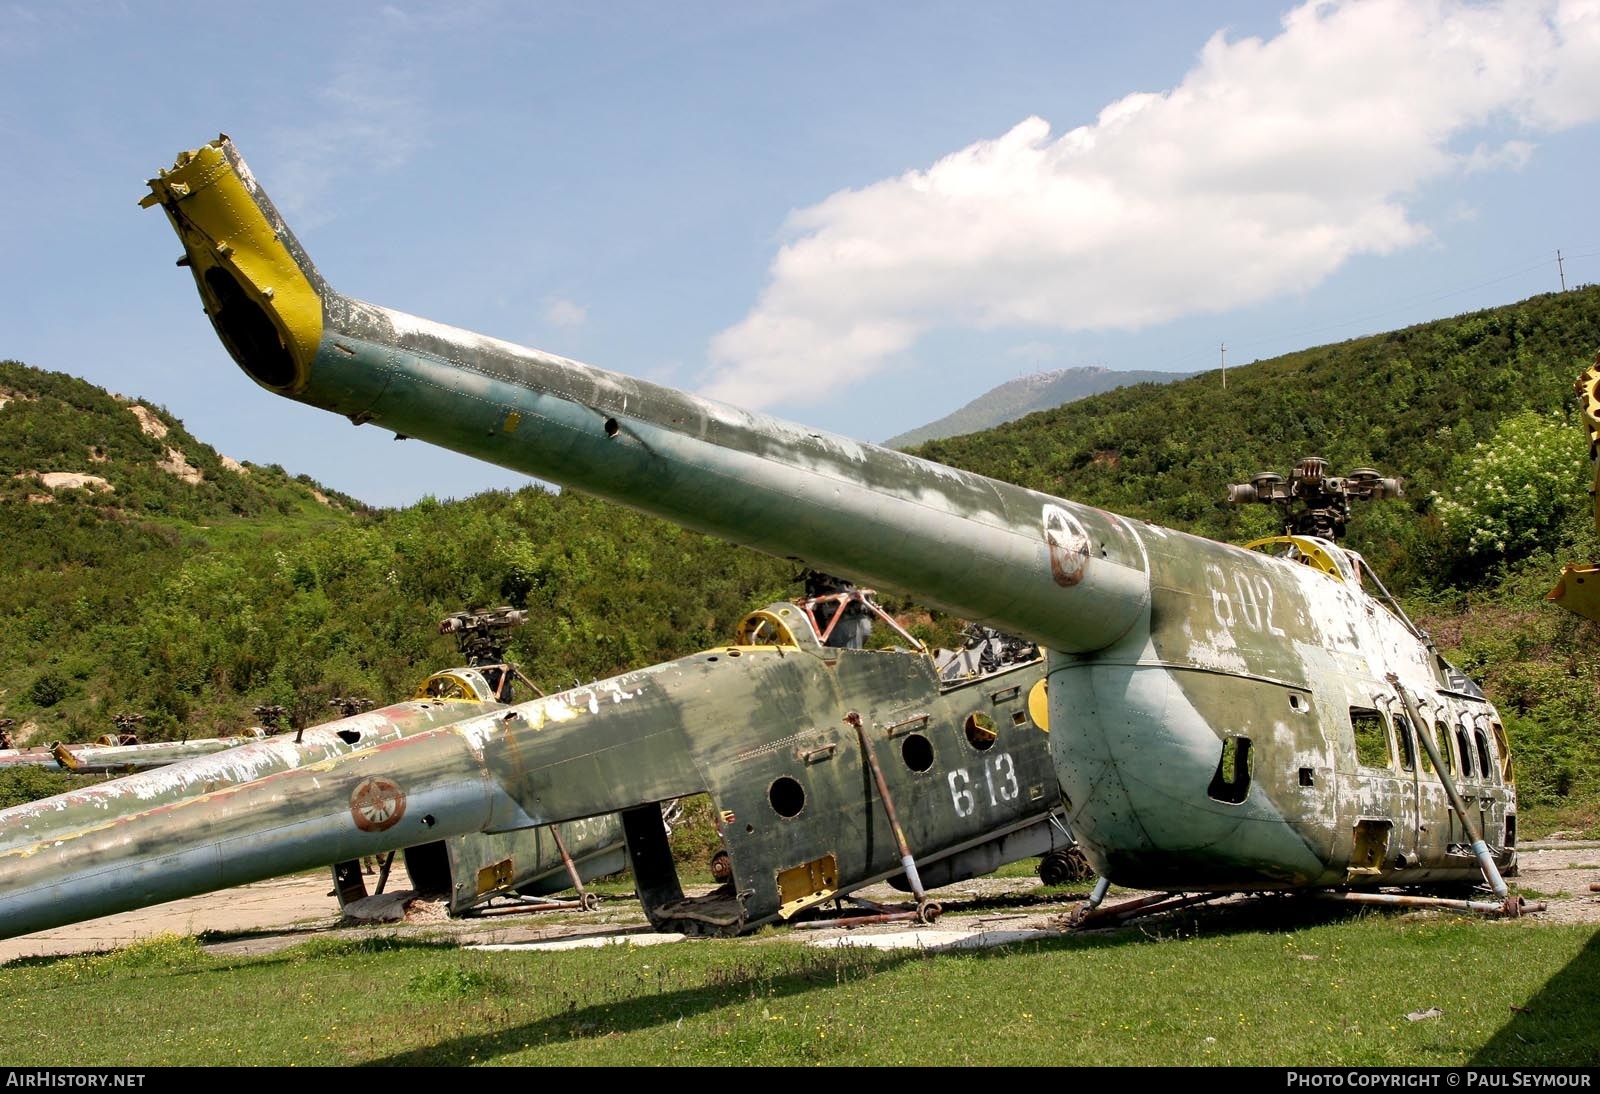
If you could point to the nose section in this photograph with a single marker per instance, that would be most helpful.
(262, 293)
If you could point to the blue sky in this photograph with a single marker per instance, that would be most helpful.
(855, 216)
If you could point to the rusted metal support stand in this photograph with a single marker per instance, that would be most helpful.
(523, 905)
(881, 914)
(1090, 914)
(927, 910)
(1488, 907)
(587, 900)
(383, 872)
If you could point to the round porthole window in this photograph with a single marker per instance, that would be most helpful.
(787, 797)
(981, 731)
(917, 752)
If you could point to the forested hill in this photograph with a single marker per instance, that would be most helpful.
(62, 438)
(190, 591)
(146, 574)
(1415, 403)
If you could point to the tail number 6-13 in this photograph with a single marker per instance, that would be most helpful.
(999, 779)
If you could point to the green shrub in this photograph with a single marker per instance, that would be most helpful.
(48, 688)
(1512, 494)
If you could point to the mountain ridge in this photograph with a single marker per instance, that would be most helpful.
(1027, 395)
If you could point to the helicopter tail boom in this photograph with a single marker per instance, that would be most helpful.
(429, 786)
(1054, 571)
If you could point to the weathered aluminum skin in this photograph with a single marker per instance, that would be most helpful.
(107, 802)
(121, 759)
(735, 722)
(33, 756)
(473, 869)
(85, 759)
(477, 868)
(536, 864)
(1164, 647)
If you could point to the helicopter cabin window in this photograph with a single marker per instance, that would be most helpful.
(1506, 774)
(1441, 737)
(1372, 737)
(1231, 783)
(981, 732)
(917, 752)
(1466, 753)
(787, 797)
(1408, 747)
(1485, 768)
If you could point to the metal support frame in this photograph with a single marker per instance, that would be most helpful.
(1091, 914)
(878, 913)
(587, 900)
(1489, 907)
(843, 600)
(927, 910)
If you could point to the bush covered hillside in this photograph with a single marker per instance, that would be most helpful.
(150, 575)
(103, 498)
(189, 589)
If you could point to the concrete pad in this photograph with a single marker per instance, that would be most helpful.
(932, 940)
(593, 942)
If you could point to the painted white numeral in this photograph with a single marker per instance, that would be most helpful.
(999, 775)
(1266, 594)
(1248, 607)
(960, 795)
(1220, 604)
(1255, 603)
(1008, 788)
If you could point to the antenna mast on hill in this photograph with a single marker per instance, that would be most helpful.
(1224, 350)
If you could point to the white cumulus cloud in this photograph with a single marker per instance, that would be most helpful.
(560, 312)
(1273, 162)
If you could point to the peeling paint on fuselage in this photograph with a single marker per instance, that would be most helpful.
(204, 774)
(1279, 656)
(644, 737)
(1164, 648)
(1212, 611)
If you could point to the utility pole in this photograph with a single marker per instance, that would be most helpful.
(1224, 350)
(1562, 270)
